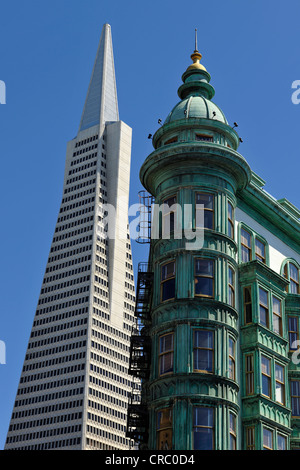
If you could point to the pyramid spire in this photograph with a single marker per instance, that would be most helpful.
(101, 104)
(94, 289)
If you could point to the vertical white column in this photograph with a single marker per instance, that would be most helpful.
(118, 137)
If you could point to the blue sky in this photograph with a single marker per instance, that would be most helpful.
(47, 50)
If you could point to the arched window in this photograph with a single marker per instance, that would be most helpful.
(291, 271)
(252, 246)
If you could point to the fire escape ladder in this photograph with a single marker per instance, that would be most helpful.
(140, 355)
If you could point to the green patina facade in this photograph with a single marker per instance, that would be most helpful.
(221, 369)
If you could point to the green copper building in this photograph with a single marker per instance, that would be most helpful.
(218, 316)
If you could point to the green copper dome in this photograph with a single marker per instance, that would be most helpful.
(196, 93)
(196, 107)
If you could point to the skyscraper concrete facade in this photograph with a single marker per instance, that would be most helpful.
(74, 385)
(219, 342)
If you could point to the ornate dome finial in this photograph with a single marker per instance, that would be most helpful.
(196, 57)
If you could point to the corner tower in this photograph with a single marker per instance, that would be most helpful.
(223, 315)
(194, 174)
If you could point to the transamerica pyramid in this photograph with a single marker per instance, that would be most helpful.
(74, 386)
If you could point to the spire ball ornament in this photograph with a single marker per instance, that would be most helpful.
(196, 57)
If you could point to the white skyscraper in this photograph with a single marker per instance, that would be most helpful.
(74, 386)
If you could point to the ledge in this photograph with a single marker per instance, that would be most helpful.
(257, 180)
(193, 301)
(290, 207)
(281, 219)
(186, 157)
(258, 267)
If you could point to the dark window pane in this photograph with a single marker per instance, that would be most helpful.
(263, 308)
(166, 343)
(167, 271)
(203, 428)
(265, 376)
(207, 200)
(281, 442)
(249, 374)
(295, 387)
(208, 219)
(249, 363)
(231, 297)
(293, 333)
(204, 138)
(250, 383)
(263, 297)
(293, 341)
(168, 289)
(294, 287)
(204, 286)
(203, 360)
(232, 422)
(203, 416)
(295, 397)
(263, 316)
(249, 313)
(295, 406)
(166, 363)
(247, 305)
(203, 350)
(204, 267)
(265, 385)
(230, 211)
(169, 202)
(294, 274)
(164, 418)
(265, 365)
(245, 254)
(203, 339)
(247, 294)
(293, 326)
(172, 221)
(203, 439)
(268, 438)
